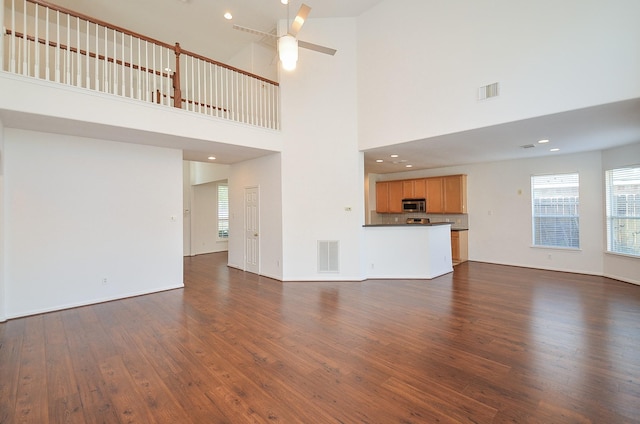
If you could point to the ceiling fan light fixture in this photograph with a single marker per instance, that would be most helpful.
(288, 52)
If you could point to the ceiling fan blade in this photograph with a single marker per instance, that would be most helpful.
(298, 21)
(316, 47)
(254, 31)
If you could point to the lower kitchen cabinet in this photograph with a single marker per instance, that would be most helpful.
(459, 246)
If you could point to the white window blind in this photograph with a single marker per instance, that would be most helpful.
(555, 201)
(223, 211)
(623, 210)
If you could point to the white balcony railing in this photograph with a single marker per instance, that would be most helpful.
(44, 41)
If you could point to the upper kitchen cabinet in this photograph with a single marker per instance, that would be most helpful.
(455, 194)
(414, 189)
(435, 195)
(447, 194)
(389, 197)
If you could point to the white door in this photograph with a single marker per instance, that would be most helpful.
(252, 229)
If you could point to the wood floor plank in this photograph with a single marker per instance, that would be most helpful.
(32, 400)
(12, 334)
(65, 405)
(484, 344)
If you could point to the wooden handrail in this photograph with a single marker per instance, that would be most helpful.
(91, 54)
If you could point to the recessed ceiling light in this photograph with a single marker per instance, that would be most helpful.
(228, 16)
(284, 1)
(408, 166)
(555, 149)
(543, 141)
(379, 160)
(394, 156)
(211, 158)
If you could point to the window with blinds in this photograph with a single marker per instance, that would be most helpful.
(623, 210)
(555, 205)
(223, 211)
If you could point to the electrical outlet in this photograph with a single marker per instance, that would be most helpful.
(105, 281)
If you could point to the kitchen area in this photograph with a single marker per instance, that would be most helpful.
(419, 228)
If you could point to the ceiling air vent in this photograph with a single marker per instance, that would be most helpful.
(528, 146)
(488, 91)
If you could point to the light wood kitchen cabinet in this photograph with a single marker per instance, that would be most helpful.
(382, 197)
(389, 197)
(447, 194)
(395, 196)
(455, 194)
(414, 189)
(459, 246)
(435, 195)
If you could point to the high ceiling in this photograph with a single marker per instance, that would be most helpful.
(199, 25)
(595, 128)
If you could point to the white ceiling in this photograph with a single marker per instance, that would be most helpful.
(173, 21)
(199, 25)
(594, 128)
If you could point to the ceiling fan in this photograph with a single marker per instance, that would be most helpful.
(288, 44)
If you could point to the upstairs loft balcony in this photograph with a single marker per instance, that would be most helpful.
(56, 45)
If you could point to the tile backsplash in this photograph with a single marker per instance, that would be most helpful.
(457, 220)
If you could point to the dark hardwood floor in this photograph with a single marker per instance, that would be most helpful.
(485, 344)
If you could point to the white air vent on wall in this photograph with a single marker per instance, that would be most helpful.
(328, 255)
(488, 91)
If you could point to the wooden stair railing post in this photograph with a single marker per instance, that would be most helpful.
(177, 93)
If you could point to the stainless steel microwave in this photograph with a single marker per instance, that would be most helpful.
(414, 205)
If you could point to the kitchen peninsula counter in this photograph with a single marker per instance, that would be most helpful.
(408, 250)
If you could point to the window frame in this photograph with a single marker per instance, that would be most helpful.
(221, 219)
(610, 205)
(537, 216)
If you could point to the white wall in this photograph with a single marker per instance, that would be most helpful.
(257, 59)
(204, 220)
(79, 210)
(200, 206)
(322, 170)
(264, 173)
(418, 72)
(499, 205)
(617, 266)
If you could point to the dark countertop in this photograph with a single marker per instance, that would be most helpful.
(399, 224)
(417, 225)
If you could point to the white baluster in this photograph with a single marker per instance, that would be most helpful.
(155, 78)
(205, 87)
(105, 63)
(25, 66)
(57, 56)
(123, 89)
(192, 95)
(78, 55)
(87, 72)
(131, 66)
(115, 61)
(67, 74)
(139, 85)
(169, 66)
(36, 66)
(212, 89)
(145, 90)
(96, 62)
